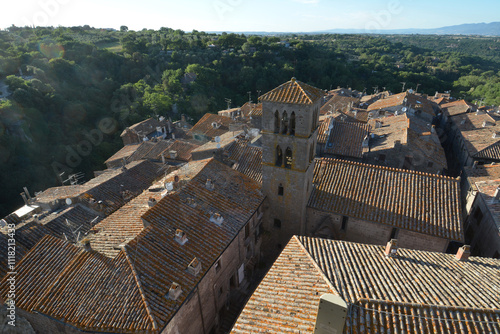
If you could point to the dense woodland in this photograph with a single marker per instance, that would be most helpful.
(67, 93)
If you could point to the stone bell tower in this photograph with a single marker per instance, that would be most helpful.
(290, 116)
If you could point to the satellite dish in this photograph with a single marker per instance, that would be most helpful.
(170, 186)
(218, 145)
(404, 109)
(68, 201)
(330, 126)
(217, 139)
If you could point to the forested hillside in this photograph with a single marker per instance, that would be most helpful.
(67, 93)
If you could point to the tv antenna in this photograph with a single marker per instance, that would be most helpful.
(404, 84)
(249, 96)
(375, 90)
(228, 101)
(416, 89)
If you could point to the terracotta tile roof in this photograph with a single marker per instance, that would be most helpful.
(487, 191)
(415, 201)
(457, 107)
(368, 99)
(414, 101)
(482, 173)
(415, 133)
(124, 153)
(183, 149)
(57, 193)
(128, 293)
(391, 129)
(145, 127)
(255, 109)
(225, 141)
(123, 187)
(247, 159)
(159, 147)
(481, 142)
(293, 91)
(344, 138)
(286, 301)
(207, 126)
(413, 292)
(141, 151)
(339, 103)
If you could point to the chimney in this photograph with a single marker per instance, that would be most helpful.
(162, 158)
(497, 194)
(183, 119)
(151, 202)
(332, 312)
(378, 124)
(86, 245)
(180, 237)
(433, 129)
(23, 195)
(173, 154)
(175, 291)
(209, 185)
(194, 267)
(392, 248)
(366, 142)
(474, 165)
(217, 219)
(191, 202)
(145, 223)
(463, 253)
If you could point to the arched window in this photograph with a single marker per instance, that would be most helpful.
(276, 122)
(280, 190)
(292, 124)
(284, 121)
(288, 158)
(279, 156)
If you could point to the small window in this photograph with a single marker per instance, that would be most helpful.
(217, 266)
(280, 190)
(221, 290)
(381, 157)
(277, 223)
(394, 234)
(247, 230)
(344, 223)
(430, 164)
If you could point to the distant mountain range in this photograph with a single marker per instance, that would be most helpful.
(482, 29)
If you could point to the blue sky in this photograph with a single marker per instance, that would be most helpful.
(249, 15)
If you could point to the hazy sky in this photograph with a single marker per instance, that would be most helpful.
(248, 15)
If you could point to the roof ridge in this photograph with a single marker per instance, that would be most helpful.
(139, 286)
(315, 264)
(445, 307)
(391, 169)
(298, 83)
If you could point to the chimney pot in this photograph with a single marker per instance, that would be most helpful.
(209, 184)
(463, 253)
(392, 248)
(175, 291)
(151, 202)
(86, 245)
(180, 237)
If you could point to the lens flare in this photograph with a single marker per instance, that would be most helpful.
(51, 50)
